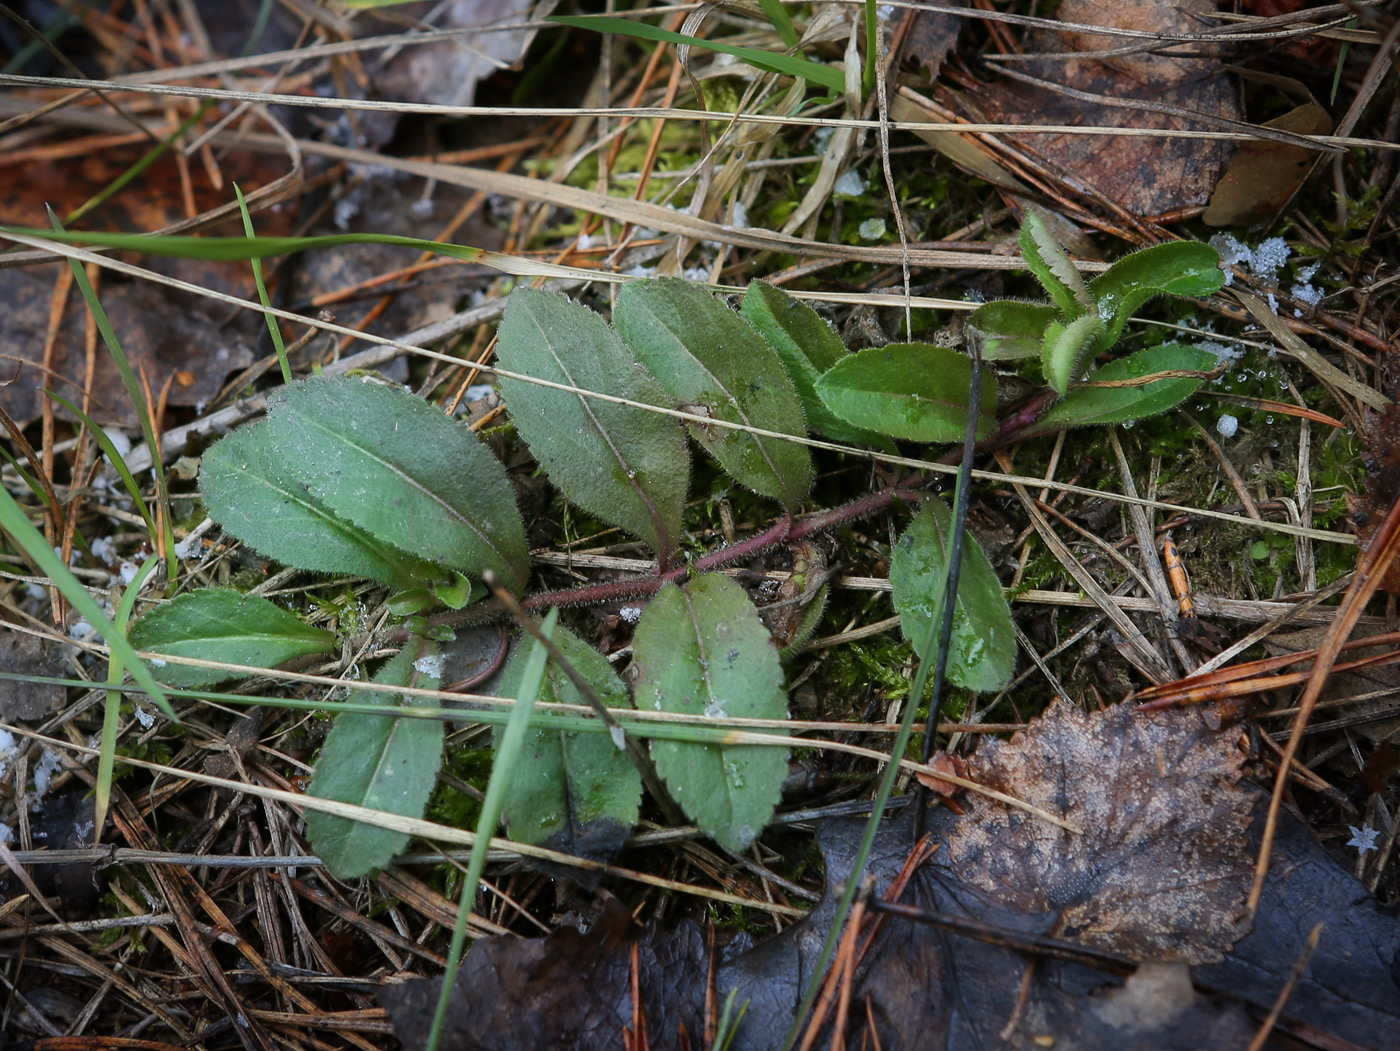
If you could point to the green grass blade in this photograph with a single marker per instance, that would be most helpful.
(166, 541)
(114, 456)
(14, 522)
(112, 706)
(782, 21)
(233, 249)
(784, 65)
(272, 328)
(502, 774)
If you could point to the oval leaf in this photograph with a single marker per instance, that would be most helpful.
(1065, 348)
(701, 651)
(219, 624)
(248, 488)
(1180, 268)
(1087, 404)
(807, 347)
(574, 791)
(982, 655)
(623, 464)
(914, 391)
(402, 471)
(379, 761)
(713, 364)
(1012, 330)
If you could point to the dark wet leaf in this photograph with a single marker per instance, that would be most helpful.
(571, 791)
(1380, 442)
(1174, 779)
(219, 624)
(1265, 174)
(1148, 175)
(627, 466)
(930, 38)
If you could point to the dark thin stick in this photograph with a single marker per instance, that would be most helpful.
(955, 554)
(631, 745)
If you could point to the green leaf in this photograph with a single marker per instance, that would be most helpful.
(248, 487)
(1094, 405)
(1066, 346)
(807, 347)
(914, 391)
(770, 62)
(701, 651)
(1053, 268)
(401, 470)
(983, 651)
(1180, 268)
(625, 465)
(219, 624)
(381, 761)
(574, 791)
(1012, 330)
(713, 364)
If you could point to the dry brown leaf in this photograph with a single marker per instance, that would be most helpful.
(1264, 174)
(1163, 866)
(1148, 175)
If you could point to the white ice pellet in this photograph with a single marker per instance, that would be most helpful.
(850, 184)
(631, 614)
(431, 665)
(1226, 426)
(127, 571)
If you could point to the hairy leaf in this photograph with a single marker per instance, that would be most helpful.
(1090, 405)
(982, 655)
(1180, 268)
(379, 761)
(713, 364)
(1066, 347)
(915, 391)
(1053, 268)
(402, 471)
(808, 346)
(249, 488)
(702, 651)
(574, 791)
(1012, 330)
(623, 464)
(219, 624)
